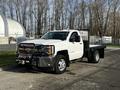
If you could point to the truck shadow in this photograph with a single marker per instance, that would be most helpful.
(80, 60)
(22, 69)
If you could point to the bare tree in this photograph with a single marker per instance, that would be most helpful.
(11, 8)
(2, 6)
(39, 16)
(115, 6)
(41, 8)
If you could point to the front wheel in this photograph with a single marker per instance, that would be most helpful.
(60, 64)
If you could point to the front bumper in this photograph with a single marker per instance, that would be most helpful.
(38, 61)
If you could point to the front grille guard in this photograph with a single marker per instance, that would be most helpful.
(25, 51)
(34, 60)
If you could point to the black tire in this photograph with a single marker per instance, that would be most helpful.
(94, 57)
(89, 59)
(60, 59)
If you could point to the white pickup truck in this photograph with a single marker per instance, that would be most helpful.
(56, 49)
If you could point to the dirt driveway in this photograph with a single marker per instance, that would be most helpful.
(80, 76)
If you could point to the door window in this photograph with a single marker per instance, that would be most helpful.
(74, 37)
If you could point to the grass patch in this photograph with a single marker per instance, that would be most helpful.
(115, 46)
(7, 58)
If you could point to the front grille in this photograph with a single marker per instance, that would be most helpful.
(30, 49)
(26, 48)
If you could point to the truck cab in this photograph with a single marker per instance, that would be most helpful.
(55, 49)
(69, 41)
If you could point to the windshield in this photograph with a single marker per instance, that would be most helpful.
(56, 35)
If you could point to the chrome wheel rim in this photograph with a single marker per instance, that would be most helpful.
(97, 57)
(61, 65)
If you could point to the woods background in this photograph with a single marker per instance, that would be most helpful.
(102, 17)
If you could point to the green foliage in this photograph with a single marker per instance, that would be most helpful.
(7, 58)
(115, 46)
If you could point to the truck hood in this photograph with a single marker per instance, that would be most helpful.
(42, 41)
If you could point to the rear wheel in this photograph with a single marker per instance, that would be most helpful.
(60, 64)
(94, 57)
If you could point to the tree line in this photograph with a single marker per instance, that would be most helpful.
(102, 17)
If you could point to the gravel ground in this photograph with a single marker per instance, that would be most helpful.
(79, 76)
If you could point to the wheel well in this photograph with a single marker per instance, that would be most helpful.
(65, 53)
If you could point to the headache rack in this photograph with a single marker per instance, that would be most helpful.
(86, 40)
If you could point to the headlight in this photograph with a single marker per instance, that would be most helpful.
(48, 49)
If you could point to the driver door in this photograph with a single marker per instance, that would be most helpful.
(75, 46)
